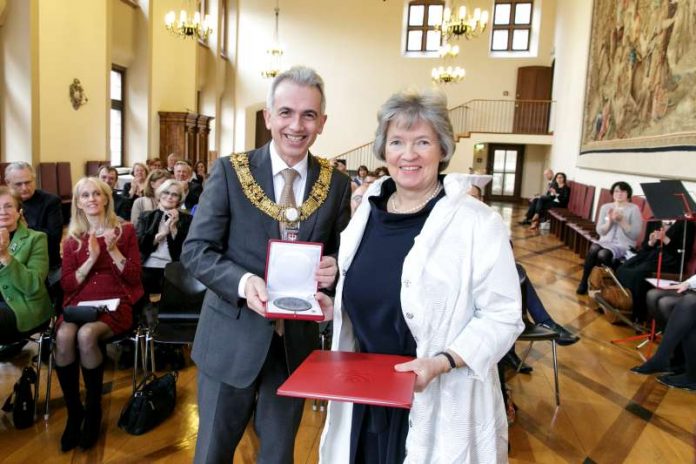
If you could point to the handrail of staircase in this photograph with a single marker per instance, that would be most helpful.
(532, 117)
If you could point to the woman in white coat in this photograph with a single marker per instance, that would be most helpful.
(426, 271)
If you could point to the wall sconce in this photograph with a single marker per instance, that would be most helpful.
(77, 94)
(479, 146)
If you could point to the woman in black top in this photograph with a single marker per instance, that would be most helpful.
(557, 197)
(161, 234)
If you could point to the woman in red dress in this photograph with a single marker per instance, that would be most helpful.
(101, 261)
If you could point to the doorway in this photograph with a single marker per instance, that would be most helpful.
(263, 135)
(505, 164)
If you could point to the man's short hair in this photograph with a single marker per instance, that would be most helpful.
(302, 76)
(19, 166)
(108, 169)
(183, 163)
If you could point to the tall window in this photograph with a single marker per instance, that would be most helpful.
(118, 75)
(512, 25)
(422, 35)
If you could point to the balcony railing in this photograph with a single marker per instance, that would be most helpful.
(531, 117)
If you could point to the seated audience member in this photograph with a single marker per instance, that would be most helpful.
(100, 261)
(40, 209)
(619, 226)
(134, 189)
(201, 172)
(556, 197)
(24, 302)
(381, 171)
(122, 203)
(172, 159)
(42, 212)
(358, 180)
(192, 190)
(153, 164)
(358, 193)
(680, 329)
(161, 234)
(534, 308)
(669, 240)
(148, 202)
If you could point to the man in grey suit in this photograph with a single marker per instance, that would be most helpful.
(243, 357)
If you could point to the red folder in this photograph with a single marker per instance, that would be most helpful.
(364, 378)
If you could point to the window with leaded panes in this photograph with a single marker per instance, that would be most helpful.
(422, 26)
(512, 25)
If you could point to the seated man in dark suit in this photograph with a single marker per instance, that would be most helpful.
(122, 203)
(243, 357)
(183, 173)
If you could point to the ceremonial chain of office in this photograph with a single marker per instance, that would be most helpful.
(285, 214)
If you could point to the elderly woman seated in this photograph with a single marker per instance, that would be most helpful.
(148, 202)
(24, 302)
(161, 234)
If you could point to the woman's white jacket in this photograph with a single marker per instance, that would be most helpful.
(459, 291)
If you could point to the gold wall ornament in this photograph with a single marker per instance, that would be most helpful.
(77, 94)
(281, 213)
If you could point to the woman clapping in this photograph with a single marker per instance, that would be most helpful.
(100, 261)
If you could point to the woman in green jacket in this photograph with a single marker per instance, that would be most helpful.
(24, 301)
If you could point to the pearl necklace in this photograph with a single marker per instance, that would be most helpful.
(419, 206)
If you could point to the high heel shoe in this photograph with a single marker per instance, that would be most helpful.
(534, 226)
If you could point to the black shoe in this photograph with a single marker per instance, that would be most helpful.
(681, 381)
(525, 222)
(514, 361)
(582, 289)
(652, 367)
(566, 337)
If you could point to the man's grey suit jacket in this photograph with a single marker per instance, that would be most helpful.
(229, 238)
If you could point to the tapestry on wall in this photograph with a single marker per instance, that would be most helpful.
(641, 83)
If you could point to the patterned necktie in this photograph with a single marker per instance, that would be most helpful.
(287, 197)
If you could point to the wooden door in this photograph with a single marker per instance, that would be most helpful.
(263, 135)
(533, 100)
(505, 164)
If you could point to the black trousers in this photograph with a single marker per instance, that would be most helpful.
(8, 327)
(224, 412)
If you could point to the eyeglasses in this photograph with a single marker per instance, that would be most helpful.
(171, 194)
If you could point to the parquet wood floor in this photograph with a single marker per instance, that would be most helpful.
(607, 414)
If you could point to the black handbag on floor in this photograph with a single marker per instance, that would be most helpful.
(21, 400)
(83, 314)
(152, 402)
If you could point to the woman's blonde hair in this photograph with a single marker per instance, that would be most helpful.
(79, 225)
(5, 190)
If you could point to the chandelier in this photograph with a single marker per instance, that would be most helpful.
(448, 74)
(457, 25)
(189, 24)
(275, 52)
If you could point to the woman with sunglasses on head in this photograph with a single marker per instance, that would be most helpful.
(161, 234)
(100, 261)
